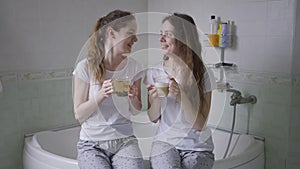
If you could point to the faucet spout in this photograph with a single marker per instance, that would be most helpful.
(235, 92)
(237, 98)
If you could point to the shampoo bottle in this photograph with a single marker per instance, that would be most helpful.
(213, 27)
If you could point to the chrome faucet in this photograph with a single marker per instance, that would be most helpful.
(237, 98)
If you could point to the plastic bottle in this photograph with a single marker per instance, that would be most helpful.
(213, 27)
(229, 25)
(223, 33)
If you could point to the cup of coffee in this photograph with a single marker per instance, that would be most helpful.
(162, 86)
(121, 86)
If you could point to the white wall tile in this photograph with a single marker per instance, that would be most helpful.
(278, 54)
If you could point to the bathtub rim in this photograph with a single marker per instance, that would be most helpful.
(256, 150)
(31, 145)
(242, 159)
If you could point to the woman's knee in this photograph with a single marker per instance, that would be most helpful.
(91, 157)
(195, 160)
(164, 155)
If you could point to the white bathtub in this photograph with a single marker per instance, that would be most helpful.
(57, 149)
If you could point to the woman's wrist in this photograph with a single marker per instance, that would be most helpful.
(136, 102)
(99, 99)
(178, 97)
(155, 100)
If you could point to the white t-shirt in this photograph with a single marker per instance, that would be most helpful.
(112, 118)
(173, 127)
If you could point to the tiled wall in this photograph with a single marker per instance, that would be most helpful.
(43, 100)
(34, 101)
(275, 116)
(294, 137)
(39, 34)
(31, 102)
(263, 35)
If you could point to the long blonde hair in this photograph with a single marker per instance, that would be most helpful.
(187, 40)
(116, 19)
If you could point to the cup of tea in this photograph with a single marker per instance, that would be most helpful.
(121, 86)
(162, 86)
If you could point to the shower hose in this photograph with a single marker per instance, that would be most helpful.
(231, 131)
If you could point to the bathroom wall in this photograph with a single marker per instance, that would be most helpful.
(269, 117)
(294, 137)
(30, 105)
(296, 50)
(267, 55)
(39, 34)
(262, 28)
(39, 45)
(40, 41)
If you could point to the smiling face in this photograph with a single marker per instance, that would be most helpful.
(167, 39)
(125, 38)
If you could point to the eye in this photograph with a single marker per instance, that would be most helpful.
(169, 35)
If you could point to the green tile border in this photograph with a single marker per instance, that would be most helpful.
(231, 75)
(260, 78)
(36, 75)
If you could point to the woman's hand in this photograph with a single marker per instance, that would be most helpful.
(133, 91)
(174, 87)
(106, 90)
(154, 106)
(134, 95)
(153, 95)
